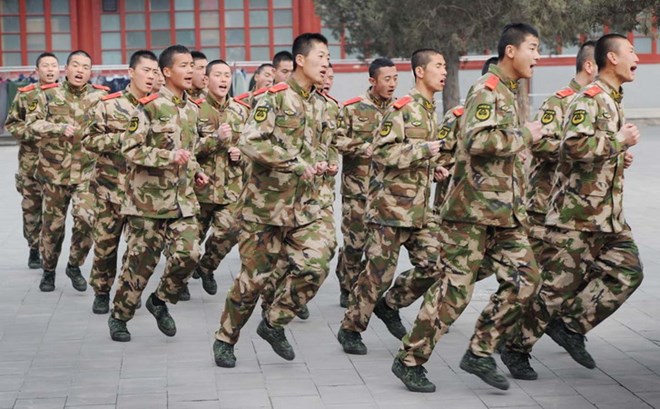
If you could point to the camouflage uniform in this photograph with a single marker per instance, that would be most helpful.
(398, 205)
(64, 169)
(28, 156)
(109, 121)
(482, 227)
(197, 95)
(280, 210)
(159, 204)
(251, 98)
(219, 197)
(591, 262)
(360, 117)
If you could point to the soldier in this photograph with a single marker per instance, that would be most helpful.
(360, 117)
(198, 90)
(48, 71)
(58, 121)
(220, 123)
(483, 221)
(280, 212)
(259, 84)
(160, 81)
(109, 120)
(398, 212)
(543, 165)
(160, 203)
(591, 261)
(283, 64)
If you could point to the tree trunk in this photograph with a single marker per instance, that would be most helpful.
(451, 95)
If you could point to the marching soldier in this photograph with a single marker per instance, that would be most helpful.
(198, 91)
(283, 64)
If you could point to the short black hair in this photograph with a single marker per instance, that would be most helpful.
(281, 56)
(44, 55)
(488, 63)
(262, 67)
(377, 64)
(213, 63)
(514, 34)
(421, 57)
(166, 58)
(198, 55)
(78, 52)
(303, 45)
(604, 45)
(585, 54)
(136, 56)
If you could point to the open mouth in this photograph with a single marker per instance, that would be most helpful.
(187, 79)
(633, 68)
(149, 84)
(78, 77)
(323, 72)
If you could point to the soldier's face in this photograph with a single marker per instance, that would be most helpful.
(48, 70)
(385, 82)
(78, 70)
(219, 81)
(199, 75)
(180, 74)
(328, 80)
(625, 61)
(264, 78)
(160, 81)
(283, 71)
(525, 57)
(435, 73)
(314, 65)
(144, 76)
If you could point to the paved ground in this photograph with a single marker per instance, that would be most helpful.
(54, 353)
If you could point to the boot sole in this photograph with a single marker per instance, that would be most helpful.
(121, 338)
(284, 355)
(46, 289)
(502, 386)
(223, 364)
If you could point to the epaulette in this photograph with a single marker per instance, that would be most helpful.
(148, 98)
(593, 91)
(245, 104)
(101, 87)
(27, 88)
(402, 102)
(458, 111)
(111, 96)
(259, 91)
(242, 96)
(352, 101)
(492, 82)
(566, 92)
(198, 101)
(279, 87)
(49, 86)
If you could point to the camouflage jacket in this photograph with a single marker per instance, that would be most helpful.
(62, 159)
(326, 181)
(252, 97)
(108, 122)
(28, 151)
(225, 176)
(546, 151)
(356, 128)
(447, 133)
(155, 186)
(197, 95)
(486, 187)
(402, 166)
(281, 138)
(588, 191)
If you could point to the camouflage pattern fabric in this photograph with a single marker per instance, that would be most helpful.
(447, 133)
(354, 231)
(326, 182)
(225, 230)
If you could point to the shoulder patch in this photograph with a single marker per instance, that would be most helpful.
(279, 87)
(198, 101)
(259, 91)
(148, 98)
(458, 112)
(111, 96)
(492, 82)
(352, 101)
(27, 88)
(593, 91)
(242, 96)
(566, 92)
(49, 86)
(245, 104)
(402, 102)
(101, 87)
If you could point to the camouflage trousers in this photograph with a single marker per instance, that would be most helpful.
(327, 233)
(222, 220)
(586, 276)
(470, 252)
(354, 231)
(261, 247)
(56, 199)
(107, 234)
(30, 190)
(146, 238)
(382, 252)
